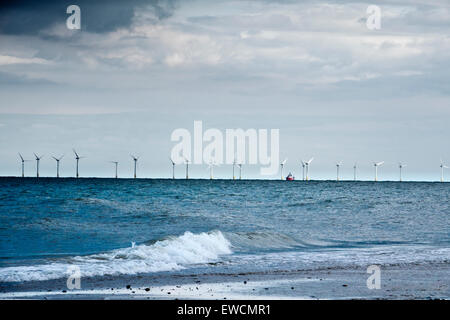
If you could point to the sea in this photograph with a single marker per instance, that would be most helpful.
(120, 227)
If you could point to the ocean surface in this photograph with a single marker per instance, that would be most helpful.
(129, 227)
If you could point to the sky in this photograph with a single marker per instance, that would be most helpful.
(138, 70)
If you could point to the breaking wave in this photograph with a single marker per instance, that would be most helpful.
(173, 253)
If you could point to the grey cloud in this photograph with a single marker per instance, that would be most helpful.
(28, 17)
(7, 79)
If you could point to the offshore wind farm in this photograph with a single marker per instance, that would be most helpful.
(302, 165)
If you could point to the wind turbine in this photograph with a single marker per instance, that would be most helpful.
(37, 164)
(57, 164)
(173, 168)
(281, 167)
(77, 157)
(23, 164)
(135, 159)
(303, 169)
(354, 172)
(240, 171)
(211, 169)
(338, 165)
(116, 163)
(307, 163)
(187, 167)
(376, 165)
(443, 166)
(400, 167)
(234, 165)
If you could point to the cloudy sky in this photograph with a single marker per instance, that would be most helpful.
(137, 70)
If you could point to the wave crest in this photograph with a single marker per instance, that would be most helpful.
(173, 253)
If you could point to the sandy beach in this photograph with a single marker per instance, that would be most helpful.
(398, 282)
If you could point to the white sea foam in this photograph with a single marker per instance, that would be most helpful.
(174, 253)
(348, 257)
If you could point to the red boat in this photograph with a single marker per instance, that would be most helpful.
(290, 177)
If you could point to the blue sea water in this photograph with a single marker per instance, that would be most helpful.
(125, 226)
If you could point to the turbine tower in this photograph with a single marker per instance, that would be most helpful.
(57, 164)
(173, 168)
(23, 165)
(116, 163)
(303, 169)
(37, 164)
(281, 167)
(307, 163)
(211, 169)
(354, 172)
(443, 166)
(376, 165)
(234, 165)
(187, 167)
(400, 167)
(135, 159)
(240, 171)
(77, 157)
(338, 165)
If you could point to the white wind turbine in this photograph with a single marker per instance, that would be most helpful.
(135, 159)
(338, 165)
(211, 166)
(173, 167)
(307, 163)
(187, 167)
(57, 164)
(400, 167)
(116, 164)
(282, 166)
(303, 169)
(354, 172)
(77, 157)
(23, 165)
(37, 164)
(240, 171)
(443, 166)
(376, 165)
(234, 165)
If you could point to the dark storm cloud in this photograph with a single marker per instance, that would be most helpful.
(29, 17)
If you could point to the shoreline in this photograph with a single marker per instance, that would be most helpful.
(412, 281)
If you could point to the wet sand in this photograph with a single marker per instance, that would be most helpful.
(431, 281)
